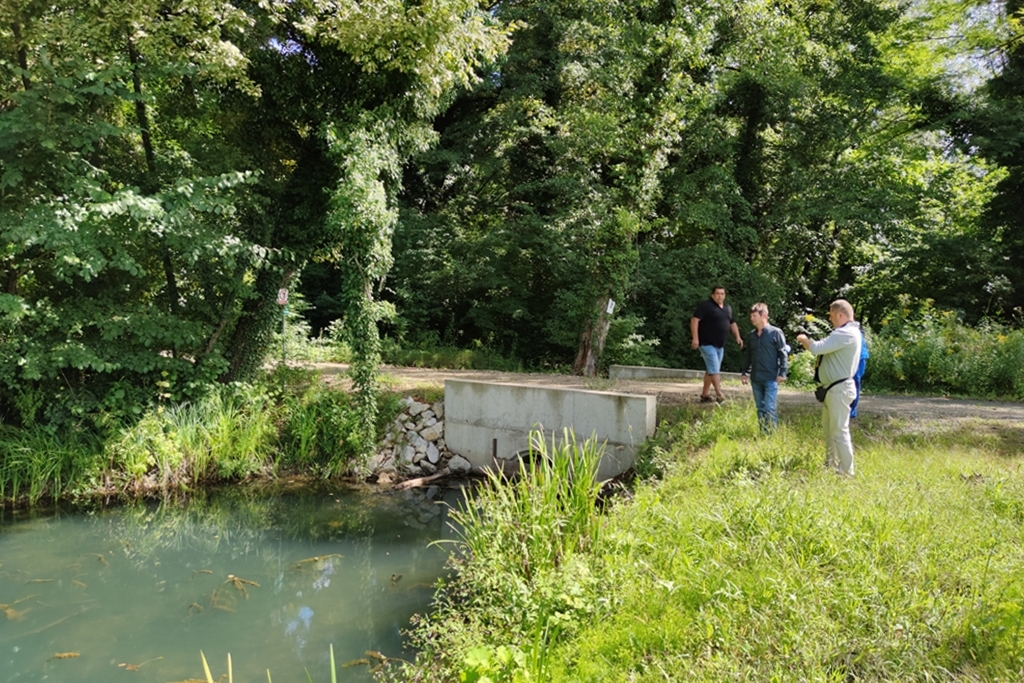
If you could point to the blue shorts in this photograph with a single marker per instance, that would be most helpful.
(712, 358)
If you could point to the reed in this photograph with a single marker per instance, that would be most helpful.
(36, 463)
(229, 434)
(546, 514)
(522, 555)
(321, 432)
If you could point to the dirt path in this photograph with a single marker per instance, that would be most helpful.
(671, 392)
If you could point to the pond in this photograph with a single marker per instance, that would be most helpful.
(272, 577)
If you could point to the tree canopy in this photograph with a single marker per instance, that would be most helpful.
(166, 167)
(539, 177)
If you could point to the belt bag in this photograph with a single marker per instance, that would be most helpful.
(820, 392)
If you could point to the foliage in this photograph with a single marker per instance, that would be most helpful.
(749, 561)
(943, 254)
(626, 345)
(523, 576)
(322, 433)
(922, 349)
(228, 435)
(297, 342)
(292, 420)
(432, 354)
(644, 153)
(801, 370)
(165, 172)
(36, 463)
(672, 284)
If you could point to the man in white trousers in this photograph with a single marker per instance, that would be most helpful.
(839, 356)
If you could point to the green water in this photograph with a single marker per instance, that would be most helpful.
(150, 585)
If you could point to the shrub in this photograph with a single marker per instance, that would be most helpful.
(930, 351)
(321, 431)
(227, 435)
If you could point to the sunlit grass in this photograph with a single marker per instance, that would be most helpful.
(229, 434)
(749, 560)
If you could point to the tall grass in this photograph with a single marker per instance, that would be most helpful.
(519, 551)
(782, 572)
(547, 514)
(321, 432)
(750, 561)
(230, 434)
(291, 420)
(35, 463)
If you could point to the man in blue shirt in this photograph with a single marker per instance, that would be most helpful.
(766, 360)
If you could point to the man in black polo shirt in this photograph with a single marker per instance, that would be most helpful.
(709, 326)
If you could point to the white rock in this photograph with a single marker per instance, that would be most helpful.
(433, 455)
(418, 458)
(420, 447)
(427, 466)
(433, 432)
(408, 453)
(438, 409)
(416, 408)
(459, 465)
(409, 426)
(427, 414)
(375, 461)
(430, 421)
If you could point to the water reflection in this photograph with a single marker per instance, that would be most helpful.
(274, 577)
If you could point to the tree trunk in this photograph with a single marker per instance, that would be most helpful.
(592, 340)
(252, 334)
(22, 55)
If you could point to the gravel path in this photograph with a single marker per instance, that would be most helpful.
(674, 392)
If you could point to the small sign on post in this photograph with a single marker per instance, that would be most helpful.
(282, 300)
(611, 307)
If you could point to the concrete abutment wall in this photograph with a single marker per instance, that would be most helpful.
(476, 413)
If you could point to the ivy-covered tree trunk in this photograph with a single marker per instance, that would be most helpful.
(252, 333)
(592, 340)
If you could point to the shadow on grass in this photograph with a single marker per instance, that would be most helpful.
(998, 437)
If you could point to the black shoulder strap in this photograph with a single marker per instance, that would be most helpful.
(838, 381)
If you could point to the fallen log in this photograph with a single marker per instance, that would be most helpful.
(421, 481)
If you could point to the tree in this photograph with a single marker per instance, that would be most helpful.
(166, 168)
(619, 149)
(999, 134)
(548, 172)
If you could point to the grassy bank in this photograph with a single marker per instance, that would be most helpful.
(748, 561)
(289, 422)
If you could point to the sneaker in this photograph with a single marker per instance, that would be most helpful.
(706, 399)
